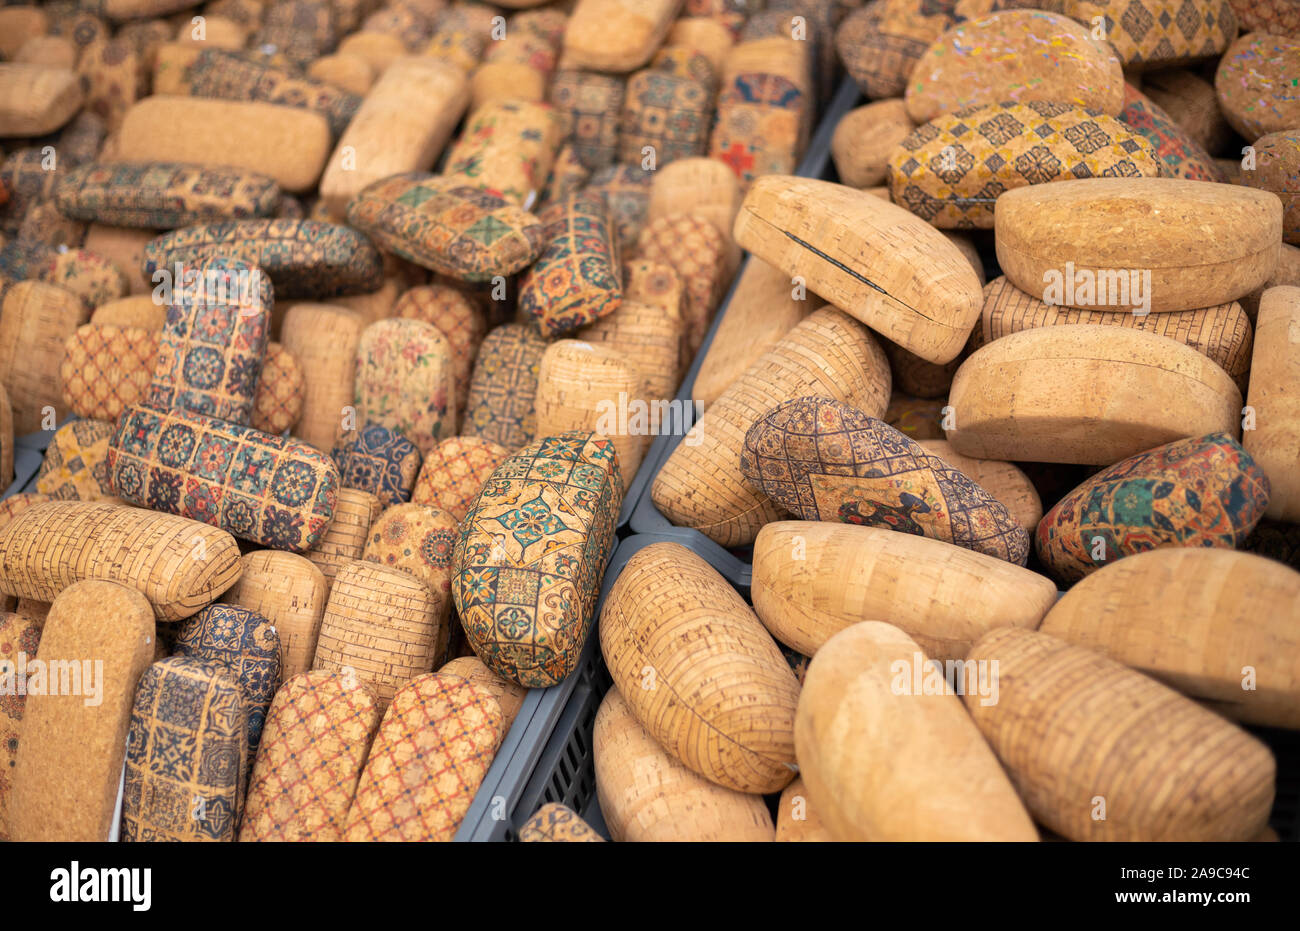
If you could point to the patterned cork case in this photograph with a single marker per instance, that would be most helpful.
(1179, 154)
(531, 552)
(507, 147)
(405, 381)
(578, 278)
(591, 104)
(378, 460)
(455, 471)
(20, 636)
(417, 539)
(503, 387)
(66, 781)
(557, 824)
(433, 749)
(164, 195)
(75, 467)
(317, 737)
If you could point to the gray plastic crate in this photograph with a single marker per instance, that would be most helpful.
(29, 452)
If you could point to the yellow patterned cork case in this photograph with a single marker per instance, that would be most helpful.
(1156, 33)
(76, 464)
(951, 170)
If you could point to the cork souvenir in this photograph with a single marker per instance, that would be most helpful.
(48, 51)
(6, 439)
(1203, 244)
(707, 35)
(555, 823)
(219, 32)
(189, 712)
(1190, 102)
(509, 695)
(266, 489)
(1277, 169)
(401, 126)
(163, 195)
(65, 782)
(213, 346)
(35, 100)
(943, 782)
(648, 338)
(238, 76)
(75, 467)
(700, 484)
(318, 733)
(114, 77)
(411, 23)
(764, 307)
(81, 25)
(1160, 33)
(507, 147)
(21, 25)
(760, 124)
(377, 50)
(1168, 769)
(1030, 143)
(446, 225)
(1255, 82)
(404, 381)
(1222, 333)
(616, 35)
(92, 278)
(379, 460)
(880, 42)
(26, 183)
(290, 593)
(1205, 491)
(578, 277)
(36, 320)
(797, 821)
(917, 377)
(281, 392)
(568, 176)
(1286, 274)
(703, 186)
(859, 252)
(583, 387)
(124, 247)
(323, 338)
(460, 323)
(665, 116)
(825, 461)
(682, 61)
(349, 73)
(626, 190)
(517, 67)
(1278, 17)
(455, 471)
(418, 539)
(811, 580)
(435, 745)
(864, 140)
(1086, 394)
(646, 795)
(44, 224)
(591, 106)
(344, 540)
(304, 258)
(1275, 442)
(20, 636)
(285, 143)
(1019, 55)
(691, 245)
(528, 562)
(1179, 154)
(106, 368)
(716, 668)
(383, 623)
(300, 30)
(1003, 480)
(461, 35)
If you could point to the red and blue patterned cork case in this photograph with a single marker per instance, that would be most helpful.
(267, 489)
(214, 342)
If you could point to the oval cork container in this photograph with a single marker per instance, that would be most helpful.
(859, 253)
(699, 671)
(1145, 244)
(942, 782)
(812, 579)
(557, 824)
(828, 354)
(1273, 401)
(509, 695)
(324, 339)
(797, 821)
(1104, 739)
(646, 795)
(1084, 394)
(289, 592)
(344, 540)
(1220, 626)
(1003, 480)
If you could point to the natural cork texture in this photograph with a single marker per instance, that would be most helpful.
(509, 695)
(942, 782)
(699, 671)
(1165, 768)
(35, 322)
(557, 824)
(1002, 480)
(35, 100)
(324, 339)
(812, 579)
(861, 253)
(616, 35)
(1086, 394)
(1274, 375)
(345, 538)
(1195, 618)
(646, 795)
(66, 781)
(289, 592)
(180, 565)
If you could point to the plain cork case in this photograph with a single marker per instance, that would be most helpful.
(1090, 395)
(645, 795)
(402, 125)
(813, 579)
(35, 100)
(721, 697)
(941, 781)
(345, 538)
(861, 254)
(290, 592)
(1275, 400)
(324, 338)
(70, 762)
(700, 485)
(286, 144)
(1075, 730)
(865, 138)
(35, 323)
(1195, 618)
(180, 565)
(797, 820)
(1202, 243)
(616, 35)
